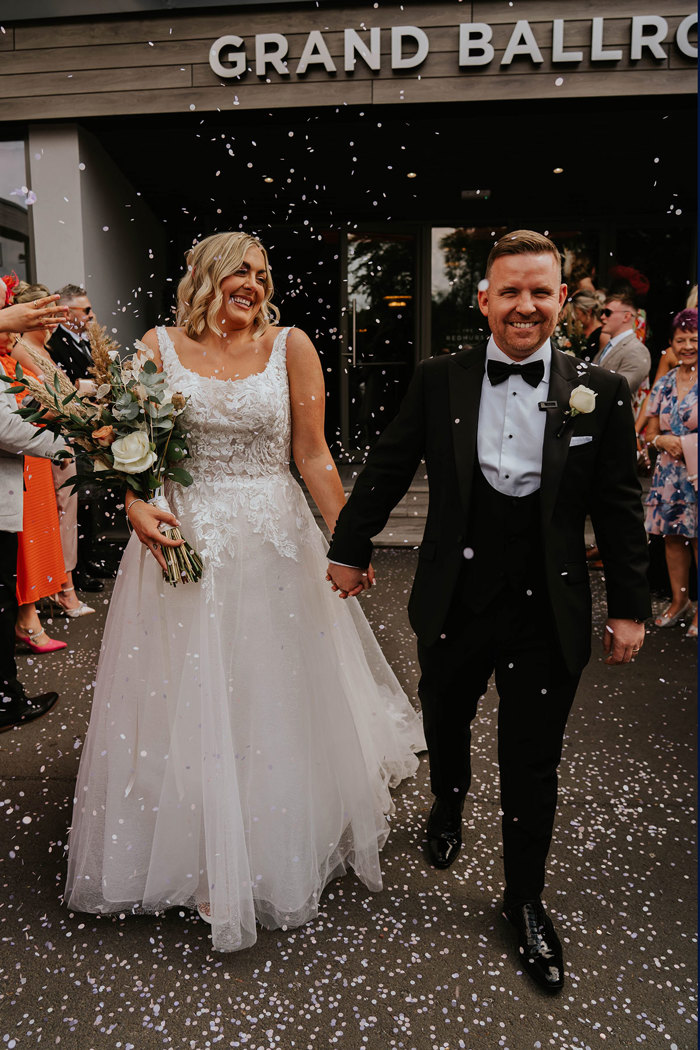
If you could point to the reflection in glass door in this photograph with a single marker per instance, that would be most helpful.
(379, 334)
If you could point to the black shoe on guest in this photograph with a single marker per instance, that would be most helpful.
(538, 944)
(444, 831)
(93, 567)
(23, 709)
(83, 581)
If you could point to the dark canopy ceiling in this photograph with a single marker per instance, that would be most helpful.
(335, 166)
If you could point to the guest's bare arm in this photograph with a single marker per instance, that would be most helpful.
(25, 317)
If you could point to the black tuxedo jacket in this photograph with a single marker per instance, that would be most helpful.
(66, 353)
(438, 421)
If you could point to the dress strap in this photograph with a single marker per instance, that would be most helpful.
(279, 347)
(168, 353)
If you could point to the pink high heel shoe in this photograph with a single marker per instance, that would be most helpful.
(51, 645)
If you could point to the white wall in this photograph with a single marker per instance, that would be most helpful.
(54, 175)
(90, 227)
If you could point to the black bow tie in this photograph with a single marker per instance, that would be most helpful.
(532, 372)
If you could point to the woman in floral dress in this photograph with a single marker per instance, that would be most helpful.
(672, 506)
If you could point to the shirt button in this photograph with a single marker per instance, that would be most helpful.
(507, 475)
(510, 435)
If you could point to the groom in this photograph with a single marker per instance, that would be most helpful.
(501, 583)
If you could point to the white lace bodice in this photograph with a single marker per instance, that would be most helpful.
(239, 436)
(235, 426)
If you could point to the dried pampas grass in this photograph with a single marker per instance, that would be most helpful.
(101, 346)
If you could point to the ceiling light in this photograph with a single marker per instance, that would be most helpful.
(411, 174)
(558, 171)
(475, 195)
(268, 178)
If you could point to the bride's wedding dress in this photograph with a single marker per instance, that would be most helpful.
(245, 730)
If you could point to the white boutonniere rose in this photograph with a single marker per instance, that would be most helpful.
(133, 453)
(581, 402)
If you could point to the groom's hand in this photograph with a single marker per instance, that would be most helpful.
(348, 580)
(622, 640)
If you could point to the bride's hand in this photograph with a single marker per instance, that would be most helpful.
(145, 519)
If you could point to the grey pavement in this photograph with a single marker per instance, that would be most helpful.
(425, 964)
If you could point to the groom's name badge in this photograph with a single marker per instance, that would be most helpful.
(544, 405)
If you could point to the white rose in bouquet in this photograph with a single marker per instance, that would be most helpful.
(132, 453)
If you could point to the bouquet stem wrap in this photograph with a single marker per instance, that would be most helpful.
(184, 564)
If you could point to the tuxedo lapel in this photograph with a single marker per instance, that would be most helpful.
(466, 377)
(564, 376)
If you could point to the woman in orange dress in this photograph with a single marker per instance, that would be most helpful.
(40, 567)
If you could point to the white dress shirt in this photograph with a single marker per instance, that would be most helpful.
(511, 426)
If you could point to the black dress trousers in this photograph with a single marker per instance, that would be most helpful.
(9, 686)
(501, 621)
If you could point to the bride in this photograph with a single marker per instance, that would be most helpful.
(245, 730)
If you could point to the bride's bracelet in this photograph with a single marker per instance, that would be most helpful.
(127, 509)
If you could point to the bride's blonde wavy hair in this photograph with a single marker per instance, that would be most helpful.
(199, 296)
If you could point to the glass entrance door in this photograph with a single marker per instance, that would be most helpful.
(379, 334)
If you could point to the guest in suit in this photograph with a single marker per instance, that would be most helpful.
(623, 353)
(69, 347)
(501, 582)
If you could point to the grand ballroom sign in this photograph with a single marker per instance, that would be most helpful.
(407, 47)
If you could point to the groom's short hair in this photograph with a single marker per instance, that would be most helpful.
(522, 242)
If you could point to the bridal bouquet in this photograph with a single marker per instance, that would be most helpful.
(128, 428)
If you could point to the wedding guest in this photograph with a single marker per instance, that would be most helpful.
(630, 281)
(501, 583)
(69, 347)
(667, 361)
(39, 555)
(672, 507)
(16, 437)
(587, 308)
(624, 353)
(66, 498)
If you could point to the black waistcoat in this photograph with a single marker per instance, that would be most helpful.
(503, 552)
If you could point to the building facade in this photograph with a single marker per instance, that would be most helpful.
(377, 149)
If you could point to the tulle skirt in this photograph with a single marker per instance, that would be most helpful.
(244, 735)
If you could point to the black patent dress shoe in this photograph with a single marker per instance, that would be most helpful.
(15, 713)
(84, 582)
(98, 569)
(538, 944)
(444, 831)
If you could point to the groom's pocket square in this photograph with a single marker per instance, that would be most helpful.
(582, 439)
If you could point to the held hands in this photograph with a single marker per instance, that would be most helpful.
(349, 581)
(622, 639)
(26, 317)
(145, 519)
